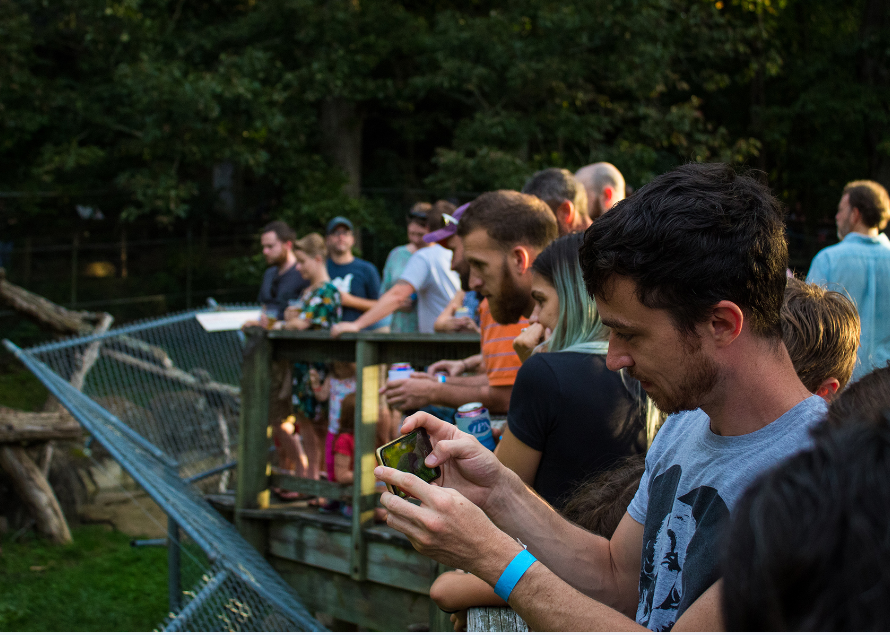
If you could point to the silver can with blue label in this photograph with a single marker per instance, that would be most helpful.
(473, 418)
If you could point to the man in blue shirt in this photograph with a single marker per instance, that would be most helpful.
(859, 267)
(357, 280)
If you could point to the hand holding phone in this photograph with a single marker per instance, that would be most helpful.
(407, 454)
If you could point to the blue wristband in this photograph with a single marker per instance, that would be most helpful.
(442, 379)
(511, 575)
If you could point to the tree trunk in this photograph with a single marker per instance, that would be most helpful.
(33, 488)
(341, 129)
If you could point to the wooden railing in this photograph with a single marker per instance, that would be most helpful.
(393, 564)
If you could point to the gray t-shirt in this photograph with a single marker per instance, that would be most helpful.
(429, 272)
(692, 482)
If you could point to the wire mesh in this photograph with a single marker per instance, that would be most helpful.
(167, 379)
(238, 590)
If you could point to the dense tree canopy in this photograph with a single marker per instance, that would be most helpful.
(302, 102)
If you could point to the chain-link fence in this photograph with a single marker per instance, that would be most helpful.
(162, 398)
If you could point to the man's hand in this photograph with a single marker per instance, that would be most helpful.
(343, 327)
(293, 324)
(451, 367)
(446, 526)
(466, 464)
(408, 394)
(406, 306)
(458, 325)
(525, 343)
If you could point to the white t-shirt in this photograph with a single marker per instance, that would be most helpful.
(429, 272)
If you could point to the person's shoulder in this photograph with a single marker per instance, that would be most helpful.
(365, 265)
(270, 272)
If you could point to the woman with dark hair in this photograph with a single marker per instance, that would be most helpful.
(570, 417)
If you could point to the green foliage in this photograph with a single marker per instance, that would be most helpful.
(97, 583)
(146, 96)
(21, 390)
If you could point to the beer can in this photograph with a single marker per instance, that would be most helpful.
(399, 371)
(462, 312)
(473, 419)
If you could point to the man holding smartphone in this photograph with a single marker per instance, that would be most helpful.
(689, 274)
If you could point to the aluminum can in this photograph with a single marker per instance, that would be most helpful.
(462, 312)
(399, 371)
(473, 419)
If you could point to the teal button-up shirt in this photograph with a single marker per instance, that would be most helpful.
(859, 267)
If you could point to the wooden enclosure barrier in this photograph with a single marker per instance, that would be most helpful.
(348, 568)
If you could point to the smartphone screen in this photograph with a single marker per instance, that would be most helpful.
(407, 454)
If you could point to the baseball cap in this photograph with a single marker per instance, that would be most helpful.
(337, 221)
(450, 228)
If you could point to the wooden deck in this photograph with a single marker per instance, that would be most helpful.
(352, 569)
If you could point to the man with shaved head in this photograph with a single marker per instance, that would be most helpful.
(604, 185)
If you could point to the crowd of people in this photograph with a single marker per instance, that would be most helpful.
(697, 439)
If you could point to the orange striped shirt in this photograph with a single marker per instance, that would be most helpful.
(501, 361)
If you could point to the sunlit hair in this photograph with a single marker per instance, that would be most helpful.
(312, 245)
(820, 329)
(579, 321)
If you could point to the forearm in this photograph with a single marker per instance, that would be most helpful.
(470, 380)
(354, 302)
(581, 558)
(386, 305)
(454, 395)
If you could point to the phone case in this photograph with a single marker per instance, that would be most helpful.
(407, 454)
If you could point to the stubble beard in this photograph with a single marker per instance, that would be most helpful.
(691, 390)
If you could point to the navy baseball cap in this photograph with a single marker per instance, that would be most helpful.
(336, 221)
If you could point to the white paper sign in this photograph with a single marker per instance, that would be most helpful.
(226, 320)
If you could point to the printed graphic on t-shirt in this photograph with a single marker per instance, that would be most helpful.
(680, 548)
(343, 283)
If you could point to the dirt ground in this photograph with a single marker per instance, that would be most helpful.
(131, 512)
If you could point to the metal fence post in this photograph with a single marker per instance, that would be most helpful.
(174, 555)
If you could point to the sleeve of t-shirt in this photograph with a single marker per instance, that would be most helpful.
(819, 269)
(640, 501)
(417, 271)
(533, 402)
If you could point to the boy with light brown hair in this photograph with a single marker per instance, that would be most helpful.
(820, 329)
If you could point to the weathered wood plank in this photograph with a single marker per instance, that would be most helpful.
(494, 619)
(328, 545)
(366, 413)
(370, 605)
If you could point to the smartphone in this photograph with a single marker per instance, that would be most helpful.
(407, 454)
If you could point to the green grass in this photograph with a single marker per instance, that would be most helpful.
(20, 389)
(98, 583)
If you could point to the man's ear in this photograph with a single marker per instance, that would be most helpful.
(607, 197)
(566, 213)
(828, 389)
(520, 259)
(726, 322)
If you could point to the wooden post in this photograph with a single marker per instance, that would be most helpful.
(366, 413)
(254, 437)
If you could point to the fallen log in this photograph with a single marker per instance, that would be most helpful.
(49, 314)
(29, 427)
(176, 375)
(34, 490)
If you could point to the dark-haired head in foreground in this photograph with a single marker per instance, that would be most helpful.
(691, 239)
(863, 400)
(810, 540)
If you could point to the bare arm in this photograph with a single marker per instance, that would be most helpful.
(343, 465)
(386, 305)
(455, 367)
(415, 393)
(354, 302)
(517, 456)
(455, 590)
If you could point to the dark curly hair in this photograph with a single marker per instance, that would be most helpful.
(691, 238)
